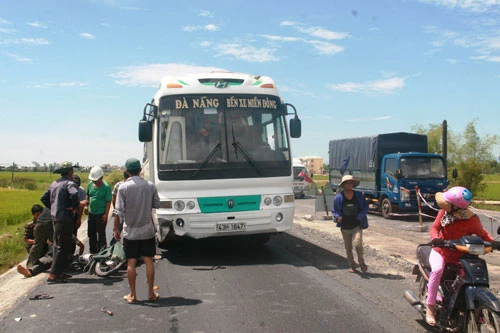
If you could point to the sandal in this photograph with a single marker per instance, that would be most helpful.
(41, 296)
(429, 315)
(65, 276)
(364, 268)
(56, 280)
(352, 270)
(129, 299)
(155, 298)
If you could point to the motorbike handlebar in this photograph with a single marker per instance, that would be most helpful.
(451, 244)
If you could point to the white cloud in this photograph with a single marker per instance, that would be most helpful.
(325, 47)
(86, 35)
(27, 41)
(208, 27)
(321, 47)
(317, 32)
(36, 24)
(205, 43)
(6, 30)
(4, 21)
(35, 41)
(151, 75)
(57, 85)
(282, 38)
(18, 57)
(487, 58)
(486, 45)
(246, 52)
(288, 23)
(452, 61)
(211, 27)
(471, 5)
(371, 87)
(323, 33)
(190, 28)
(205, 13)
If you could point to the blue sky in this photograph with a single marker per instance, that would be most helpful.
(75, 75)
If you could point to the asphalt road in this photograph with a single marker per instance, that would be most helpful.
(214, 287)
(298, 282)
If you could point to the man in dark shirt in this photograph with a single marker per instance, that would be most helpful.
(29, 229)
(42, 241)
(62, 199)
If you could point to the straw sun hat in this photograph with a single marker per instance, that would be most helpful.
(349, 177)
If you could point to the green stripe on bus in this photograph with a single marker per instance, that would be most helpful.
(223, 204)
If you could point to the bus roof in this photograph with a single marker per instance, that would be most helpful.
(216, 82)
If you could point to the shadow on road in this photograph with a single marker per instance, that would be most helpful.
(168, 302)
(218, 254)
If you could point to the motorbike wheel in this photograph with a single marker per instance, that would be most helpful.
(105, 268)
(486, 320)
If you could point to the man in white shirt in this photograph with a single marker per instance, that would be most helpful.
(134, 205)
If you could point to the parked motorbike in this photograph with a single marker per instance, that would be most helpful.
(464, 303)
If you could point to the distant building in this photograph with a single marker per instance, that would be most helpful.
(314, 164)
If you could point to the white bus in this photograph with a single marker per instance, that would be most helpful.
(217, 146)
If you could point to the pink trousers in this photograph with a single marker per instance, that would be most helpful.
(437, 265)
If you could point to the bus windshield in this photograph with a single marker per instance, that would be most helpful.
(222, 136)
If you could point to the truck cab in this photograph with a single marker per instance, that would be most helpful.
(402, 173)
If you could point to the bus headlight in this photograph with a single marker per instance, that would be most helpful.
(179, 205)
(277, 200)
(268, 201)
(190, 204)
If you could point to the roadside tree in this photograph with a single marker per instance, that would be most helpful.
(470, 154)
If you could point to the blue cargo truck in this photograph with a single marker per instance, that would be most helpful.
(390, 167)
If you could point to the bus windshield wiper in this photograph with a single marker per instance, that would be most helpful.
(238, 146)
(206, 160)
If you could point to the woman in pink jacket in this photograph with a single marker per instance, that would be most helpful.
(453, 221)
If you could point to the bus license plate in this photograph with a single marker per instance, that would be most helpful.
(230, 226)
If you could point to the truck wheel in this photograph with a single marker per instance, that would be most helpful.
(386, 208)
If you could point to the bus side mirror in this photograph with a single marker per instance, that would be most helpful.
(295, 124)
(146, 123)
(145, 130)
(295, 127)
(454, 173)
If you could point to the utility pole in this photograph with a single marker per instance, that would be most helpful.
(12, 177)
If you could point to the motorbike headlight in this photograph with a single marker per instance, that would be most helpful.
(476, 249)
